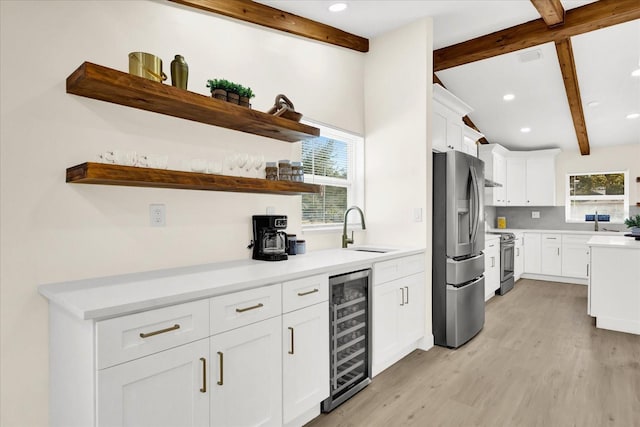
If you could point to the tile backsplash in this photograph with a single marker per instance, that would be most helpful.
(551, 218)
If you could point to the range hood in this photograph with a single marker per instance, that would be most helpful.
(489, 183)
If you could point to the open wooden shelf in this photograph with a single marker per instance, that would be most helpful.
(109, 174)
(106, 84)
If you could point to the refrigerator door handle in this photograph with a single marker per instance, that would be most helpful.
(476, 204)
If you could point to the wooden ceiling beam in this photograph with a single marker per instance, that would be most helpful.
(568, 67)
(551, 11)
(467, 121)
(260, 14)
(593, 16)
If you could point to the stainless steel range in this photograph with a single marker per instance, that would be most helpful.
(507, 249)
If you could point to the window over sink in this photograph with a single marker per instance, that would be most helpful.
(335, 159)
(604, 192)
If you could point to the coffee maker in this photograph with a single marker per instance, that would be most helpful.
(269, 239)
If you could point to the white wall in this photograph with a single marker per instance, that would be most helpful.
(398, 92)
(615, 158)
(52, 231)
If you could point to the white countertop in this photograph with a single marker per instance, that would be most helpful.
(535, 230)
(118, 295)
(614, 242)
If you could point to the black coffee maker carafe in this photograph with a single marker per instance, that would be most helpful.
(269, 239)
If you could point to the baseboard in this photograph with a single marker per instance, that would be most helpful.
(426, 343)
(620, 325)
(307, 416)
(560, 279)
(379, 367)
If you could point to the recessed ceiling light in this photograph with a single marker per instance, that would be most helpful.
(635, 73)
(633, 115)
(593, 104)
(509, 97)
(525, 130)
(338, 7)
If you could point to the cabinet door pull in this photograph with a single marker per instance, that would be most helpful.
(402, 302)
(558, 251)
(493, 261)
(301, 294)
(407, 301)
(517, 251)
(221, 371)
(253, 307)
(161, 331)
(291, 335)
(587, 270)
(203, 389)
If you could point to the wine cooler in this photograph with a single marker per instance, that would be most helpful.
(350, 336)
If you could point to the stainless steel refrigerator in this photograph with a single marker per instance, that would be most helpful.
(458, 242)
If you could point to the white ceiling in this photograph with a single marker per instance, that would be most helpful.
(604, 61)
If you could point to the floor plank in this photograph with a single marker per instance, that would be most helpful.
(539, 361)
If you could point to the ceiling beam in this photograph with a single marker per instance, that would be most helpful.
(593, 16)
(551, 11)
(568, 67)
(260, 14)
(467, 121)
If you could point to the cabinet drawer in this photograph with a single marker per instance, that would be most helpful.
(304, 292)
(386, 271)
(579, 239)
(243, 308)
(551, 239)
(129, 337)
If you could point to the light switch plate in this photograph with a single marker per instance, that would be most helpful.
(535, 214)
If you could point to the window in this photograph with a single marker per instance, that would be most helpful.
(335, 159)
(604, 192)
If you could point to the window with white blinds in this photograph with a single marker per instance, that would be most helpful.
(335, 160)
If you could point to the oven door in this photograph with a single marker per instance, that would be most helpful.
(506, 260)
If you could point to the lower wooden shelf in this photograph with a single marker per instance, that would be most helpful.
(109, 174)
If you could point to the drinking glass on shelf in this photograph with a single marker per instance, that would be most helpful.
(230, 166)
(154, 161)
(258, 165)
(199, 165)
(119, 157)
(214, 167)
(242, 161)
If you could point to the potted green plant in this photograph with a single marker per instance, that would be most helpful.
(233, 95)
(633, 222)
(245, 96)
(218, 88)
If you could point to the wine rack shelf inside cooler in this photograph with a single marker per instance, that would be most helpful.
(349, 323)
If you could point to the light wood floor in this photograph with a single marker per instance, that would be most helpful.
(539, 361)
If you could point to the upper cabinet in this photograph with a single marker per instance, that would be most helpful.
(528, 178)
(448, 129)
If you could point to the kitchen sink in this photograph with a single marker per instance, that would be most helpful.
(371, 249)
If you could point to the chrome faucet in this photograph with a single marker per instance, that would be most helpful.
(345, 239)
(595, 225)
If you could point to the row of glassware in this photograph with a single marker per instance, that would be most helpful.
(234, 164)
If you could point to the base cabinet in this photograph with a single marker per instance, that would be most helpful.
(305, 359)
(532, 248)
(491, 268)
(246, 376)
(164, 389)
(551, 255)
(518, 257)
(575, 256)
(399, 321)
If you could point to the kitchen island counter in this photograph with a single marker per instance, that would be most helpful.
(614, 283)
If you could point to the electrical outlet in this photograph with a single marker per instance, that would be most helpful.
(157, 215)
(535, 214)
(417, 214)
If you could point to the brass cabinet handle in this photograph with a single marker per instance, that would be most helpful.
(253, 307)
(301, 294)
(161, 331)
(221, 360)
(203, 389)
(407, 301)
(402, 290)
(291, 334)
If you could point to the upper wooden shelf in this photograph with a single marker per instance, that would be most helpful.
(109, 174)
(106, 84)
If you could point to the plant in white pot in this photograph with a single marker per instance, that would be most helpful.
(633, 222)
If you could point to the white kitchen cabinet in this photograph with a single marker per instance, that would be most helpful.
(516, 181)
(447, 125)
(551, 254)
(495, 169)
(305, 359)
(168, 388)
(575, 256)
(518, 256)
(246, 375)
(532, 251)
(541, 180)
(399, 318)
(470, 143)
(491, 266)
(398, 309)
